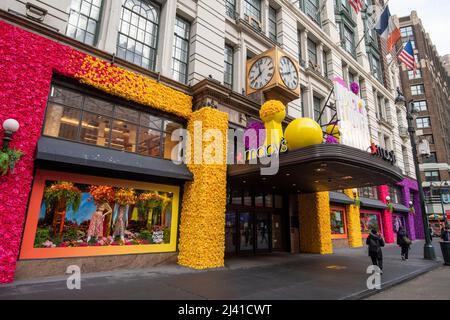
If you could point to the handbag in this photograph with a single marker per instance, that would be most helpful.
(407, 240)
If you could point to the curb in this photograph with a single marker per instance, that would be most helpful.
(392, 283)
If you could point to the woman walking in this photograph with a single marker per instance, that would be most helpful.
(375, 243)
(404, 243)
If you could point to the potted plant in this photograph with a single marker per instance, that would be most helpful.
(60, 196)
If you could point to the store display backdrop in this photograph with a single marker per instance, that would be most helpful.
(124, 222)
(28, 64)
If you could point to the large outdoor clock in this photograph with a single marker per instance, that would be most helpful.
(275, 74)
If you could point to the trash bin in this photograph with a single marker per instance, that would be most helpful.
(445, 247)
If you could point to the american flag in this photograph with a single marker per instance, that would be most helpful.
(356, 5)
(407, 57)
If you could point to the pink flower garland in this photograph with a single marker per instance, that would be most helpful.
(26, 68)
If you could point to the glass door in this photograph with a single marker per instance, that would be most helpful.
(277, 232)
(262, 231)
(230, 233)
(246, 232)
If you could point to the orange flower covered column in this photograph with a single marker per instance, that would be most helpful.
(353, 223)
(202, 228)
(315, 226)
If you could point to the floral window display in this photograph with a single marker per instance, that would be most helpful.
(74, 215)
(370, 221)
(338, 223)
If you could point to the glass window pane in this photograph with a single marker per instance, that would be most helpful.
(149, 143)
(66, 97)
(126, 114)
(83, 20)
(98, 106)
(123, 136)
(337, 222)
(151, 121)
(139, 24)
(95, 129)
(62, 122)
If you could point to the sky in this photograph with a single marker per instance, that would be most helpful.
(435, 16)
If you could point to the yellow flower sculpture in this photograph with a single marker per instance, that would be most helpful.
(315, 226)
(202, 228)
(134, 87)
(353, 223)
(272, 113)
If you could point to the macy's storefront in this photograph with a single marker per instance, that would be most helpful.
(95, 186)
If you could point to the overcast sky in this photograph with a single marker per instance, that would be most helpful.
(435, 16)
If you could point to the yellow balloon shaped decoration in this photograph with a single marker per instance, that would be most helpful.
(303, 132)
(333, 130)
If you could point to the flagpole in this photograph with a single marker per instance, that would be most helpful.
(397, 52)
(371, 27)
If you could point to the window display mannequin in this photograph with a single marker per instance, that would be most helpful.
(120, 221)
(96, 223)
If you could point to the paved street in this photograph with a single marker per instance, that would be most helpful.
(279, 276)
(430, 286)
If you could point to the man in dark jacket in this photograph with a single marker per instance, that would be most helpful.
(445, 233)
(404, 243)
(375, 243)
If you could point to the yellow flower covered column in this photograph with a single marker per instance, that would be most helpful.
(353, 223)
(315, 227)
(202, 228)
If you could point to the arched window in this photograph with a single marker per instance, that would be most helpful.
(138, 33)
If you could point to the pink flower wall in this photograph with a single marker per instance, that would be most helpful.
(27, 64)
(386, 217)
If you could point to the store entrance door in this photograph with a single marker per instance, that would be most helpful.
(252, 232)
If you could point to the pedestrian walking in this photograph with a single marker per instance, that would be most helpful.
(375, 243)
(445, 233)
(404, 242)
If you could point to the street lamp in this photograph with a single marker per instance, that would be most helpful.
(428, 250)
(10, 126)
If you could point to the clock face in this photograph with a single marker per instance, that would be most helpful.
(288, 73)
(261, 73)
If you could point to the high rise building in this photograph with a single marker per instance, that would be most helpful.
(429, 90)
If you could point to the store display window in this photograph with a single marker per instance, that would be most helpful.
(72, 215)
(338, 223)
(369, 221)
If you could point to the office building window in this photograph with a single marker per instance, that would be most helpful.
(180, 56)
(228, 74)
(312, 51)
(375, 67)
(138, 33)
(252, 8)
(407, 31)
(349, 40)
(368, 192)
(317, 109)
(432, 176)
(230, 8)
(429, 138)
(420, 106)
(84, 17)
(417, 90)
(431, 159)
(414, 75)
(273, 24)
(311, 8)
(423, 123)
(325, 64)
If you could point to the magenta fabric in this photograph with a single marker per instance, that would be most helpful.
(386, 216)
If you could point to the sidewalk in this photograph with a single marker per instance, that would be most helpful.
(277, 276)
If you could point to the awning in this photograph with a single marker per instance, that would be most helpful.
(372, 203)
(62, 152)
(400, 208)
(324, 167)
(339, 197)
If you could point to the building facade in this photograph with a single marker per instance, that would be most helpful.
(430, 93)
(112, 80)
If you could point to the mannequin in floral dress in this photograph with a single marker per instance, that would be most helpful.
(119, 226)
(96, 223)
